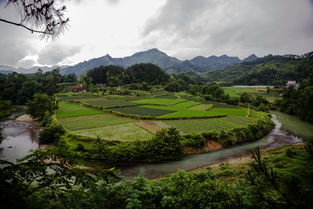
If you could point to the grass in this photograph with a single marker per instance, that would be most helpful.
(74, 110)
(236, 92)
(142, 111)
(176, 107)
(124, 132)
(202, 107)
(202, 125)
(93, 121)
(78, 97)
(111, 103)
(159, 101)
(228, 111)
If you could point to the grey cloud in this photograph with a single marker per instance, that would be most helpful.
(15, 42)
(56, 53)
(236, 27)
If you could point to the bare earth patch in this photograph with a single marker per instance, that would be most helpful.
(150, 125)
(24, 118)
(209, 147)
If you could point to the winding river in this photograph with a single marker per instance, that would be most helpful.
(20, 137)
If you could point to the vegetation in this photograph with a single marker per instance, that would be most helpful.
(5, 108)
(298, 101)
(41, 105)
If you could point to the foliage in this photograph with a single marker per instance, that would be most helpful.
(299, 101)
(51, 134)
(5, 108)
(41, 105)
(19, 88)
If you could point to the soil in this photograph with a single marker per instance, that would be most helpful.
(24, 118)
(149, 125)
(209, 147)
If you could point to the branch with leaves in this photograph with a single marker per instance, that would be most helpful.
(39, 16)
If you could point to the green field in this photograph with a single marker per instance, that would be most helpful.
(93, 121)
(236, 92)
(111, 103)
(159, 101)
(202, 107)
(123, 132)
(77, 97)
(142, 111)
(176, 107)
(74, 110)
(203, 125)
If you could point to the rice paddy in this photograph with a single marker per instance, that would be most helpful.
(167, 112)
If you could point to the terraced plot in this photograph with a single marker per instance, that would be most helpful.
(159, 101)
(74, 110)
(76, 98)
(202, 125)
(123, 132)
(176, 107)
(192, 113)
(229, 111)
(93, 121)
(202, 107)
(111, 103)
(142, 111)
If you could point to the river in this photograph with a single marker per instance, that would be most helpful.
(20, 138)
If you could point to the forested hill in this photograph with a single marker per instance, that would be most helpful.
(269, 70)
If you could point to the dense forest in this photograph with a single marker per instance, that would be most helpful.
(270, 70)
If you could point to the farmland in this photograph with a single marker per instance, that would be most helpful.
(122, 119)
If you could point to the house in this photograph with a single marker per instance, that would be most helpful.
(292, 83)
(78, 88)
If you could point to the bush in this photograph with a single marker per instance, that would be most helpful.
(51, 134)
(194, 140)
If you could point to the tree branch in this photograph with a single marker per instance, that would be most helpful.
(24, 26)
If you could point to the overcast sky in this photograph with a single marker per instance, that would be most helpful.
(180, 28)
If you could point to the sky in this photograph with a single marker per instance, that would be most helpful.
(181, 28)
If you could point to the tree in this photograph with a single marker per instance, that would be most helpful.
(40, 105)
(39, 16)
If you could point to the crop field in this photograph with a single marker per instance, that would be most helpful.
(159, 101)
(202, 125)
(202, 107)
(124, 132)
(142, 111)
(78, 97)
(111, 103)
(74, 110)
(175, 107)
(192, 113)
(93, 121)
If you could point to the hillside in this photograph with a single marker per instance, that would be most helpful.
(272, 72)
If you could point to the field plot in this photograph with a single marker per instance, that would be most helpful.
(123, 132)
(93, 121)
(111, 103)
(192, 113)
(236, 92)
(78, 97)
(202, 125)
(152, 125)
(229, 111)
(176, 107)
(74, 110)
(142, 111)
(159, 101)
(202, 107)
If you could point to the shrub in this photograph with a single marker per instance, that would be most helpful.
(51, 134)
(194, 140)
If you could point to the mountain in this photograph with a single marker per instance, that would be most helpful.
(4, 69)
(169, 64)
(214, 62)
(250, 58)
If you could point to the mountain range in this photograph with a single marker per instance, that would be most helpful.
(199, 64)
(5, 69)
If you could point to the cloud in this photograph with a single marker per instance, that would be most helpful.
(15, 42)
(56, 53)
(236, 27)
